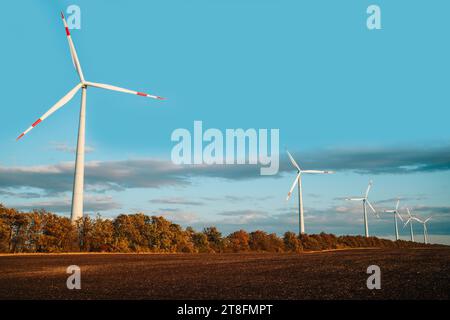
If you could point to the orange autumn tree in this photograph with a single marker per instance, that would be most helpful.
(42, 231)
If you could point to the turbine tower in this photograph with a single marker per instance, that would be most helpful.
(410, 219)
(365, 201)
(396, 214)
(298, 180)
(77, 196)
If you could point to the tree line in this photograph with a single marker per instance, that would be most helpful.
(42, 231)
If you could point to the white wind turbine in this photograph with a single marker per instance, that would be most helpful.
(425, 229)
(77, 196)
(410, 219)
(365, 201)
(298, 180)
(396, 214)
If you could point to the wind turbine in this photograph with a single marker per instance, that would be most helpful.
(77, 196)
(395, 213)
(425, 230)
(365, 201)
(410, 224)
(298, 180)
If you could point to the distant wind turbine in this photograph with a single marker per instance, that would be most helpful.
(425, 229)
(298, 180)
(77, 196)
(365, 201)
(410, 219)
(396, 214)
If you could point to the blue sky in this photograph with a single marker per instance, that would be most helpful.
(368, 104)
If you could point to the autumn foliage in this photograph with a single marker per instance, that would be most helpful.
(41, 231)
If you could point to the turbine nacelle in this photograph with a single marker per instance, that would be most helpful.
(395, 211)
(410, 218)
(365, 199)
(300, 172)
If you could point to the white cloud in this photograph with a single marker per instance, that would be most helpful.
(91, 203)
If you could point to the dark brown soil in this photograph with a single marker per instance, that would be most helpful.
(405, 274)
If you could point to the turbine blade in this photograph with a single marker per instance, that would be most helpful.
(58, 105)
(293, 186)
(409, 213)
(354, 199)
(73, 52)
(427, 219)
(114, 88)
(396, 206)
(293, 161)
(406, 223)
(398, 215)
(371, 207)
(317, 171)
(368, 188)
(417, 219)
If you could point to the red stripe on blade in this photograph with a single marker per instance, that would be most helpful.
(141, 94)
(67, 31)
(62, 15)
(36, 123)
(20, 136)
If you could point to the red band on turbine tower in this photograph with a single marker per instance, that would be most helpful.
(36, 123)
(67, 31)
